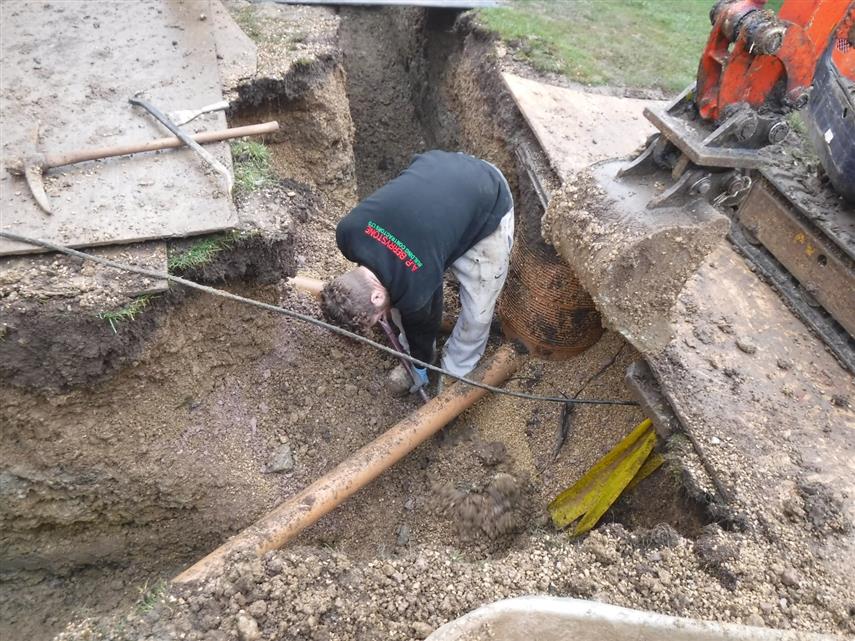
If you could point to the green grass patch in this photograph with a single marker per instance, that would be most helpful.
(127, 313)
(252, 166)
(204, 250)
(650, 44)
(149, 596)
(249, 23)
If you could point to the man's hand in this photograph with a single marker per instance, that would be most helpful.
(421, 374)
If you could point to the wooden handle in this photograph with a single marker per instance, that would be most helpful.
(59, 160)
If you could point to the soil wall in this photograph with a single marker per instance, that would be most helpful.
(128, 453)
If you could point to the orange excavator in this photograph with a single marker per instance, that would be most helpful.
(766, 135)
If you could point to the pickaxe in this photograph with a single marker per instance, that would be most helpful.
(34, 167)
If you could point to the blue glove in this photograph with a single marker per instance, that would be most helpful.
(421, 373)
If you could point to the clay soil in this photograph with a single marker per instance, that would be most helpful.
(230, 409)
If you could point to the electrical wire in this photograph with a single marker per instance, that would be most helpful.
(303, 317)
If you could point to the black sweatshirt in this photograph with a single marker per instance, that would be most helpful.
(412, 229)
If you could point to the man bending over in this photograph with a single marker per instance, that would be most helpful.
(445, 211)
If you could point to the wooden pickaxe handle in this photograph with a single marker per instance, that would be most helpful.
(59, 160)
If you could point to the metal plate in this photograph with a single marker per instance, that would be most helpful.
(575, 128)
(71, 67)
(825, 272)
(688, 140)
(816, 203)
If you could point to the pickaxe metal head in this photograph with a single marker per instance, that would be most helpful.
(32, 169)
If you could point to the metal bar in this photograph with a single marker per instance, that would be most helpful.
(186, 139)
(411, 370)
(687, 141)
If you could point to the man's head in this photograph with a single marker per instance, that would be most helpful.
(355, 300)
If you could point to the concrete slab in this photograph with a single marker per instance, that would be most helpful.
(236, 52)
(771, 406)
(576, 128)
(70, 68)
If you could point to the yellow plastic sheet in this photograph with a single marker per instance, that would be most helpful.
(591, 496)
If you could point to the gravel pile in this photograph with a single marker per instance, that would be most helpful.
(320, 594)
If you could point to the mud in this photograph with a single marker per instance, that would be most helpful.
(299, 82)
(60, 343)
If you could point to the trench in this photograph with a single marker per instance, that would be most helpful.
(197, 428)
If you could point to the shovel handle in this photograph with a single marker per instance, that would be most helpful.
(70, 158)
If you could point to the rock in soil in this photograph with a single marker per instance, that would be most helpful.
(282, 460)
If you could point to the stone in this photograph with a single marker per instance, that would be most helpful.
(403, 535)
(421, 630)
(790, 578)
(746, 345)
(282, 460)
(257, 608)
(756, 620)
(247, 627)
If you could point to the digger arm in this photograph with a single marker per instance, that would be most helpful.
(750, 52)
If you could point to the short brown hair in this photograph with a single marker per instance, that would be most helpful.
(346, 301)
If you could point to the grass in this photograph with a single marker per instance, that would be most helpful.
(203, 251)
(252, 167)
(127, 313)
(249, 23)
(149, 596)
(649, 44)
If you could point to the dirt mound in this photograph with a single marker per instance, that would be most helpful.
(323, 593)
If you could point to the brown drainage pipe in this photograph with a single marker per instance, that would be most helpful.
(311, 286)
(293, 516)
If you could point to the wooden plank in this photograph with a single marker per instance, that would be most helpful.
(576, 128)
(70, 67)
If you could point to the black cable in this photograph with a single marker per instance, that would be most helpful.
(303, 317)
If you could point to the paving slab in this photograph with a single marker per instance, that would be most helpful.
(68, 69)
(236, 52)
(576, 128)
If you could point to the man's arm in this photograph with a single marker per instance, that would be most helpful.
(421, 327)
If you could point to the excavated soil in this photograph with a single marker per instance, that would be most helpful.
(119, 485)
